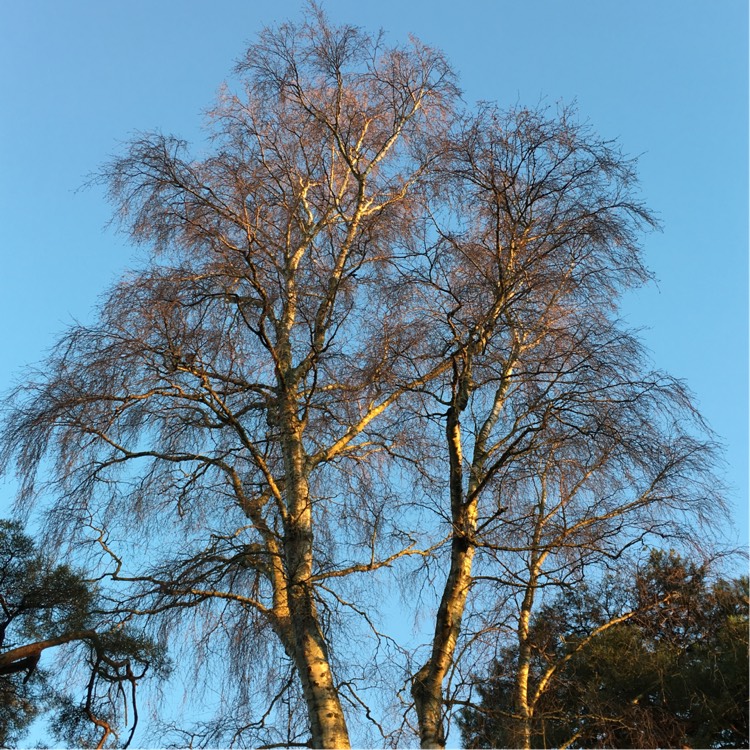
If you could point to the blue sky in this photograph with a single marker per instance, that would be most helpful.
(667, 78)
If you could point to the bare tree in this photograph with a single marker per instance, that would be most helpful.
(226, 384)
(640, 658)
(525, 276)
(352, 281)
(580, 513)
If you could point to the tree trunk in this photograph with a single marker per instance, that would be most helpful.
(427, 688)
(525, 706)
(326, 717)
(325, 714)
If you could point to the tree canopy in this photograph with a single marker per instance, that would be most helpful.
(374, 342)
(48, 607)
(674, 674)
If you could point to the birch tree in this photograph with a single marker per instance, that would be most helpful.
(223, 386)
(579, 517)
(355, 294)
(525, 275)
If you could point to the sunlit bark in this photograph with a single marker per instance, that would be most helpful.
(259, 347)
(354, 282)
(537, 260)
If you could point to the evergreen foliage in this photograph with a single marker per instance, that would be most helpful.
(673, 675)
(89, 688)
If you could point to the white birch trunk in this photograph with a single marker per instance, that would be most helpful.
(326, 717)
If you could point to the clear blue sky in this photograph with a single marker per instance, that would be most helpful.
(666, 77)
